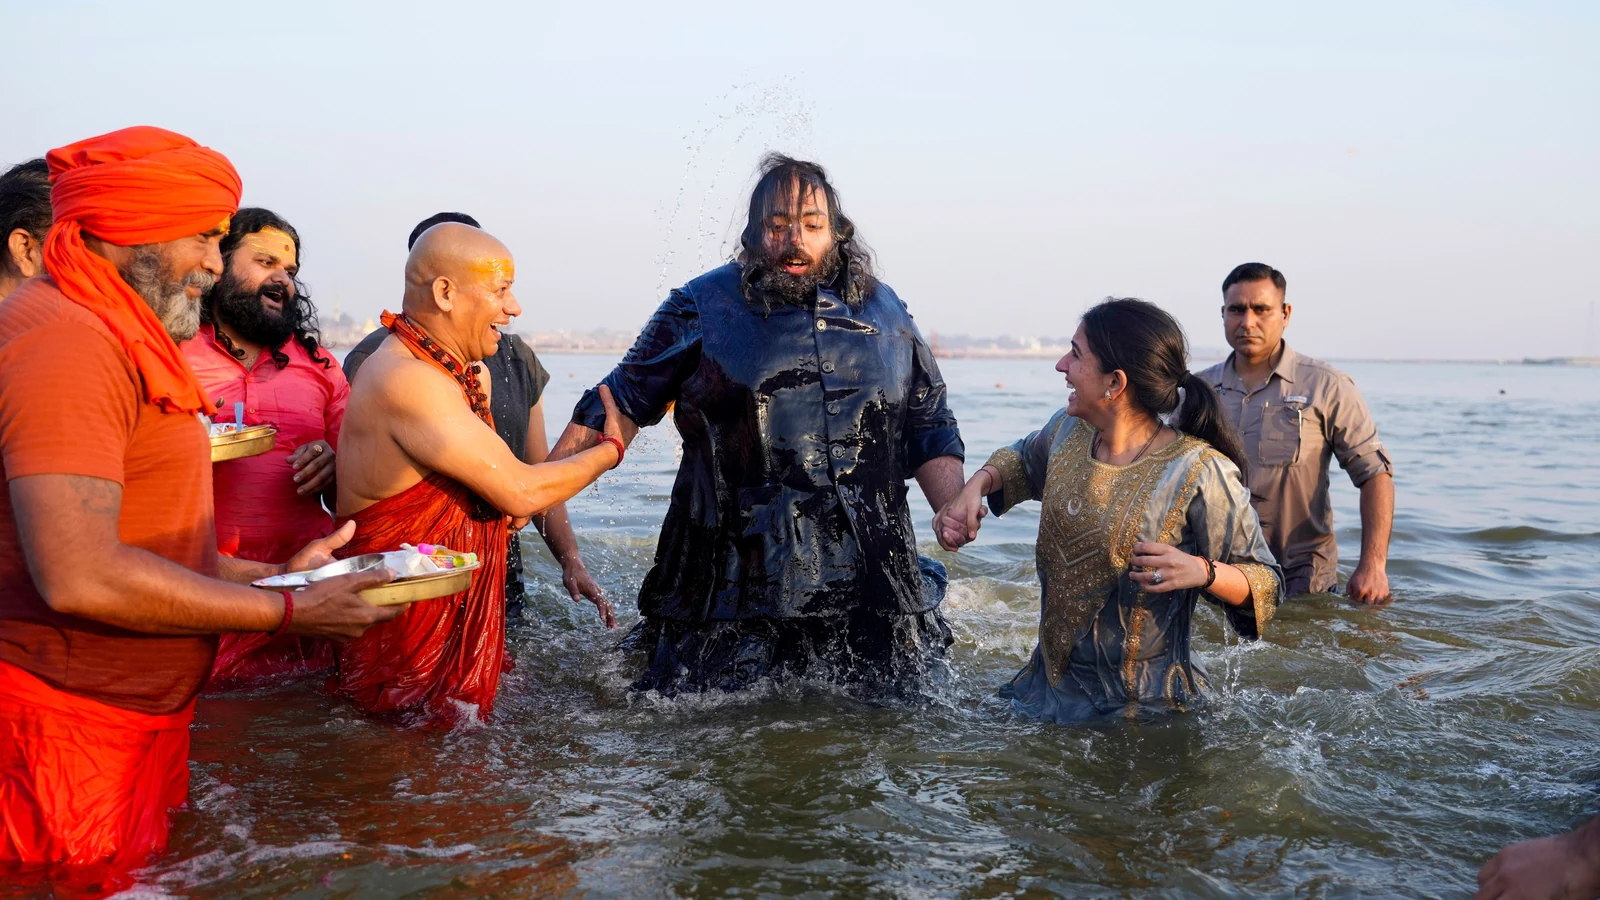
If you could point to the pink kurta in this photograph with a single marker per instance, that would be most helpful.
(259, 515)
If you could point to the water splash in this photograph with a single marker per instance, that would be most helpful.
(743, 123)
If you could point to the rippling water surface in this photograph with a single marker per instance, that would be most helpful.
(1353, 753)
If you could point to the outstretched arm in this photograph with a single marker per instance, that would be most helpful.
(940, 480)
(956, 523)
(647, 381)
(431, 424)
(578, 438)
(63, 520)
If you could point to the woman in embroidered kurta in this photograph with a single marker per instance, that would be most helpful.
(1139, 521)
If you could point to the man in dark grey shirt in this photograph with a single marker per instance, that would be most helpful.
(1295, 414)
(517, 381)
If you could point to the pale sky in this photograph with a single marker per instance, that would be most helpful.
(1427, 174)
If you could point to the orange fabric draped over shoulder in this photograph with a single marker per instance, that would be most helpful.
(140, 185)
(440, 656)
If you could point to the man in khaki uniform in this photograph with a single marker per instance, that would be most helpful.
(1294, 413)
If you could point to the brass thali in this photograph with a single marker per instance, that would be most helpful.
(423, 587)
(252, 441)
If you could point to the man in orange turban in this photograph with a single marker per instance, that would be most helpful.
(111, 590)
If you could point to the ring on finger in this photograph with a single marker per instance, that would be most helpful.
(1156, 578)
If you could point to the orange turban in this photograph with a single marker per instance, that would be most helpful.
(140, 185)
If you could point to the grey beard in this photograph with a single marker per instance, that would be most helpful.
(146, 273)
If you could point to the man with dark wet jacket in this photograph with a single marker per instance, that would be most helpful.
(805, 398)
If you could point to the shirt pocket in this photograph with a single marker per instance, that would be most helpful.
(1280, 434)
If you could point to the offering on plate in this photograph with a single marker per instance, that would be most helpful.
(444, 557)
(418, 576)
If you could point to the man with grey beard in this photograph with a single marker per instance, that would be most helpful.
(151, 270)
(112, 593)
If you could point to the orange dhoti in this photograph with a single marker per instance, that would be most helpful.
(442, 656)
(82, 784)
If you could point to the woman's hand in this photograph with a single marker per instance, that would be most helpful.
(1159, 568)
(956, 525)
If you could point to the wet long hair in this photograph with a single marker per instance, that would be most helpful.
(780, 176)
(1149, 347)
(25, 204)
(303, 315)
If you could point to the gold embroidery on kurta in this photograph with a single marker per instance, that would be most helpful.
(1185, 496)
(1014, 485)
(1175, 674)
(1169, 533)
(1263, 590)
(1130, 654)
(1084, 546)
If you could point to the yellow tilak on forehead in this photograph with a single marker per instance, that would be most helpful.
(273, 242)
(491, 268)
(225, 226)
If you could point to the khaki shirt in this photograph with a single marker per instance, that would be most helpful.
(1307, 412)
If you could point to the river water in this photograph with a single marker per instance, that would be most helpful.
(1354, 752)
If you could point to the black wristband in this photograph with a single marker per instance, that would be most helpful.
(1213, 577)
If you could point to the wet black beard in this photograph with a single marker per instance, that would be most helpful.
(777, 287)
(243, 311)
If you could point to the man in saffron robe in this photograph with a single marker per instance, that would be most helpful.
(111, 589)
(517, 381)
(419, 461)
(258, 351)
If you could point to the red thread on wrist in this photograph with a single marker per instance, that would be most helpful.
(608, 439)
(1212, 579)
(288, 613)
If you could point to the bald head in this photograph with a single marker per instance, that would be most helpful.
(458, 284)
(455, 252)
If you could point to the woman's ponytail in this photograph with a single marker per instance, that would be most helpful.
(1201, 415)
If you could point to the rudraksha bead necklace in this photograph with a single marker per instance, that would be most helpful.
(466, 376)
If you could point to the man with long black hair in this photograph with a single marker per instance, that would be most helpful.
(258, 350)
(806, 398)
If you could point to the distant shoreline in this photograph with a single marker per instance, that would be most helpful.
(614, 343)
(1562, 361)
